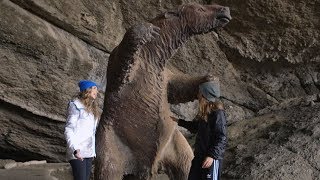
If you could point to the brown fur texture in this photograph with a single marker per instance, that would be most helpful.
(136, 136)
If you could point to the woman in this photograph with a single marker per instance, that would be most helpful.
(80, 130)
(210, 126)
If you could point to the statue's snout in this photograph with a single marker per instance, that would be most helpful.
(224, 14)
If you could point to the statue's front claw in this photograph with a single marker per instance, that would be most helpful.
(154, 31)
(149, 32)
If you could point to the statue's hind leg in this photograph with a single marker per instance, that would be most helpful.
(177, 157)
(111, 157)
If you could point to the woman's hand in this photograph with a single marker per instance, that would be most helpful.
(77, 154)
(207, 162)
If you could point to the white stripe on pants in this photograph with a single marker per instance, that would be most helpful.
(214, 171)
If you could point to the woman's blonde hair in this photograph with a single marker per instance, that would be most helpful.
(89, 103)
(206, 107)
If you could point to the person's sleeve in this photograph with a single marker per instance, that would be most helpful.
(71, 124)
(96, 123)
(218, 135)
(191, 126)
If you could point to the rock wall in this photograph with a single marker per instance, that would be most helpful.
(280, 145)
(40, 64)
(268, 54)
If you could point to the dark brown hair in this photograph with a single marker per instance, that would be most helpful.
(206, 107)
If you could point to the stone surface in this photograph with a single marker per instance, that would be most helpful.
(50, 171)
(40, 66)
(99, 23)
(47, 171)
(283, 144)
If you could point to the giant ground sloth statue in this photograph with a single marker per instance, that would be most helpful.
(136, 136)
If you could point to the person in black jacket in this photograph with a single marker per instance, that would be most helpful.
(211, 139)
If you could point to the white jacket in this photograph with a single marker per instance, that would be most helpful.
(80, 131)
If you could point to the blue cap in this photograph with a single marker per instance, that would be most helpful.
(85, 84)
(210, 90)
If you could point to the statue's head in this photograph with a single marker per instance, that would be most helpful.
(201, 18)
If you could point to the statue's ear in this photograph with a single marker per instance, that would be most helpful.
(171, 14)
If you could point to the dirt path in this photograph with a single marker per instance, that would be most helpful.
(47, 171)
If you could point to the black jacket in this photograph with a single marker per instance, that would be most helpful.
(211, 135)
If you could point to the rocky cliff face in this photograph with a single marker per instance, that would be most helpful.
(267, 59)
(40, 65)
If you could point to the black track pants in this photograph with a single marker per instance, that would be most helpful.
(198, 173)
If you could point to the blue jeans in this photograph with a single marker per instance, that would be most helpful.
(81, 170)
